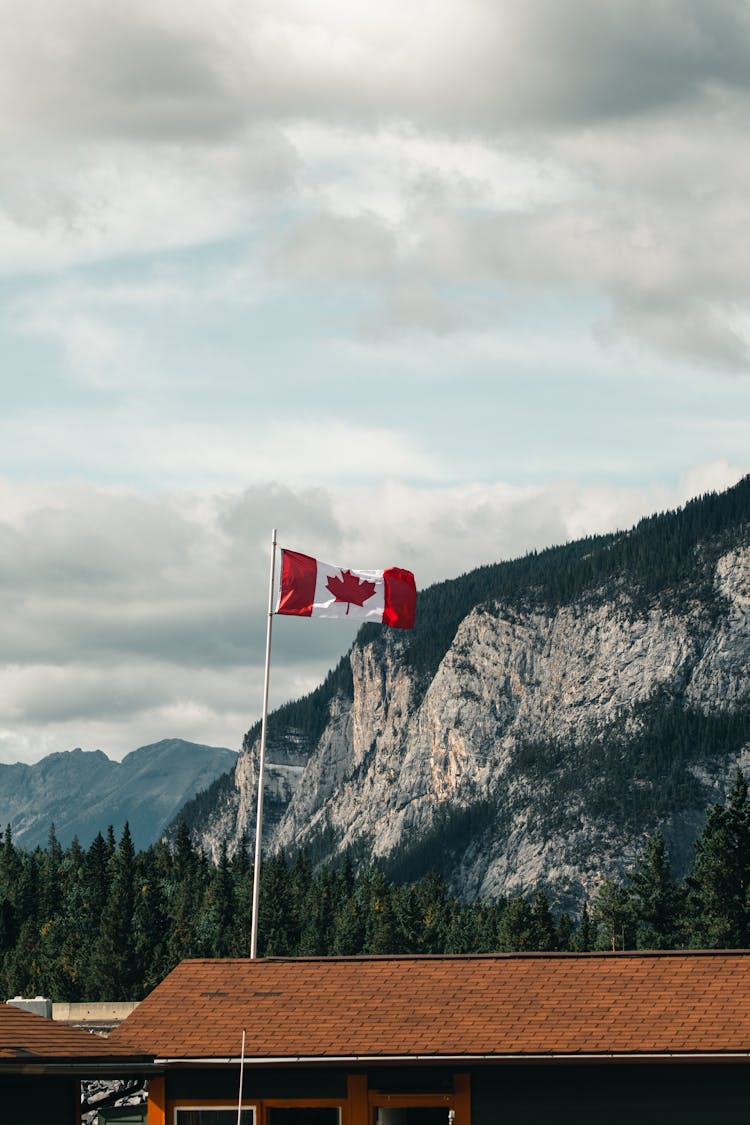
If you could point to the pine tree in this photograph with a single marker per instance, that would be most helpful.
(113, 968)
(96, 867)
(77, 932)
(51, 889)
(242, 889)
(383, 937)
(374, 894)
(184, 888)
(277, 925)
(150, 927)
(10, 869)
(613, 917)
(653, 897)
(22, 970)
(585, 935)
(350, 928)
(543, 938)
(718, 910)
(515, 932)
(461, 932)
(219, 914)
(407, 912)
(432, 896)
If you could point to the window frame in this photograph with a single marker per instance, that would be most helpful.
(228, 1106)
(260, 1107)
(379, 1100)
(302, 1103)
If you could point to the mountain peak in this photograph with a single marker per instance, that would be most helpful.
(545, 715)
(84, 791)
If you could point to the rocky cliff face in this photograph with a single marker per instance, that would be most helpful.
(544, 747)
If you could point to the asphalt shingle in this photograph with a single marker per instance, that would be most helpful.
(25, 1035)
(448, 1006)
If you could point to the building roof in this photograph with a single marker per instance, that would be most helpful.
(26, 1038)
(497, 1006)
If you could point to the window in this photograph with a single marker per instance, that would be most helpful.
(411, 1115)
(303, 1115)
(202, 1115)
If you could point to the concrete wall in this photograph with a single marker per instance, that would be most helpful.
(39, 1005)
(95, 1017)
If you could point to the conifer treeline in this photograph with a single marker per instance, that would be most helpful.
(108, 924)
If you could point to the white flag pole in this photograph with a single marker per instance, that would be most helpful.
(262, 759)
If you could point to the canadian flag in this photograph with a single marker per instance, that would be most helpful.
(310, 588)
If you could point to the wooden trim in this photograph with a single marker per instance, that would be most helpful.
(356, 1109)
(212, 1103)
(378, 1100)
(261, 1106)
(406, 1101)
(459, 1101)
(304, 1103)
(357, 1103)
(300, 1103)
(462, 1098)
(157, 1101)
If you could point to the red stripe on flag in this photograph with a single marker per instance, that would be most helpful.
(299, 574)
(400, 598)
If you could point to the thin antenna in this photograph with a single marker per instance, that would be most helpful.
(242, 1075)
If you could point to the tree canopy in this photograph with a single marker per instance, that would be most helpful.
(108, 923)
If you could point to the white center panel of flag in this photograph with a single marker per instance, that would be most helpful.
(335, 586)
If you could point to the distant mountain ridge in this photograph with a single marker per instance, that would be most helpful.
(83, 791)
(544, 717)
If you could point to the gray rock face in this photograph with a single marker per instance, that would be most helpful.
(507, 771)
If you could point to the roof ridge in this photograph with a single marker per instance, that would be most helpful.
(597, 954)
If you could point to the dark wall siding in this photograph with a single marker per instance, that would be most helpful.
(691, 1094)
(40, 1100)
(620, 1094)
(313, 1082)
(223, 1082)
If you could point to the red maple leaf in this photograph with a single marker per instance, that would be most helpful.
(350, 589)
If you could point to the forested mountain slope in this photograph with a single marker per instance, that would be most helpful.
(545, 716)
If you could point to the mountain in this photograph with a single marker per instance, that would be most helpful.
(542, 719)
(83, 792)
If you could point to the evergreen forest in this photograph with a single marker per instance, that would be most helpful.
(107, 923)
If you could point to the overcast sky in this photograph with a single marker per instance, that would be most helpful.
(422, 284)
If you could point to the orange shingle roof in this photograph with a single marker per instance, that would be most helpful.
(503, 1005)
(27, 1036)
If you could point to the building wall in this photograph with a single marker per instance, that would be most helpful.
(205, 1084)
(566, 1094)
(39, 1100)
(357, 1092)
(620, 1094)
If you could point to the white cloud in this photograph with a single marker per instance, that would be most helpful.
(101, 202)
(581, 147)
(387, 256)
(194, 70)
(396, 170)
(335, 250)
(127, 620)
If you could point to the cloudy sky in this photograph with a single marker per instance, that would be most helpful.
(424, 284)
